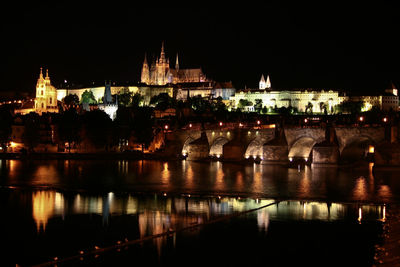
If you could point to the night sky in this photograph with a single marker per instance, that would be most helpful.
(353, 48)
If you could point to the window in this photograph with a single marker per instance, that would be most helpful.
(50, 100)
(41, 92)
(42, 105)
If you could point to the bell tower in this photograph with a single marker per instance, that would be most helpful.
(46, 94)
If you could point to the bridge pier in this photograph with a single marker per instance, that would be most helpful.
(234, 149)
(325, 155)
(276, 151)
(199, 149)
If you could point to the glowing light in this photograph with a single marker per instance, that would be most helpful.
(218, 155)
(12, 144)
(247, 156)
(166, 127)
(240, 124)
(371, 149)
(290, 159)
(190, 125)
(220, 123)
(359, 215)
(361, 118)
(384, 214)
(305, 120)
(258, 122)
(306, 159)
(385, 119)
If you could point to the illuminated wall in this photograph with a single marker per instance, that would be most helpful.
(297, 99)
(98, 92)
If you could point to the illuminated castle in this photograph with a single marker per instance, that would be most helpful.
(160, 73)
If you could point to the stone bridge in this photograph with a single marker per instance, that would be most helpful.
(270, 145)
(251, 141)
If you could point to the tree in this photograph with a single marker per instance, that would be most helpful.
(309, 108)
(199, 105)
(163, 101)
(125, 97)
(69, 127)
(353, 107)
(31, 135)
(258, 105)
(323, 107)
(244, 103)
(136, 100)
(71, 100)
(5, 126)
(143, 125)
(88, 98)
(97, 127)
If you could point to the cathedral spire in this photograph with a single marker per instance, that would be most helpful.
(177, 62)
(268, 83)
(41, 73)
(47, 74)
(162, 54)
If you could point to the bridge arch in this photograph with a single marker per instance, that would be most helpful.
(254, 149)
(216, 149)
(302, 148)
(357, 149)
(186, 145)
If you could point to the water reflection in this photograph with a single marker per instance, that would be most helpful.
(158, 214)
(256, 180)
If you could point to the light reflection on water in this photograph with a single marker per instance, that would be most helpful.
(158, 214)
(50, 213)
(264, 181)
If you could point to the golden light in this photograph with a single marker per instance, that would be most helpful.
(385, 119)
(361, 118)
(190, 125)
(258, 122)
(166, 127)
(12, 144)
(220, 123)
(371, 149)
(305, 120)
(240, 124)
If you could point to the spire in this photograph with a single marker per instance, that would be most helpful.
(268, 83)
(145, 59)
(47, 74)
(262, 84)
(177, 62)
(162, 55)
(41, 73)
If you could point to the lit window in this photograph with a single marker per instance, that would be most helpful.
(41, 92)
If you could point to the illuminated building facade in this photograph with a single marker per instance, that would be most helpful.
(160, 72)
(298, 99)
(46, 97)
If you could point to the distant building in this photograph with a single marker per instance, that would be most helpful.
(264, 84)
(46, 97)
(109, 106)
(160, 72)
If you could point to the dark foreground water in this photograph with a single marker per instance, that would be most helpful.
(317, 217)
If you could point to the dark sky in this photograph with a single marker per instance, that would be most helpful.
(351, 47)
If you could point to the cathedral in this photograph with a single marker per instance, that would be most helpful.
(160, 72)
(46, 97)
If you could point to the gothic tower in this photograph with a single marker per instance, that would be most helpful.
(145, 77)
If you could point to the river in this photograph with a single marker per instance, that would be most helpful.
(58, 209)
